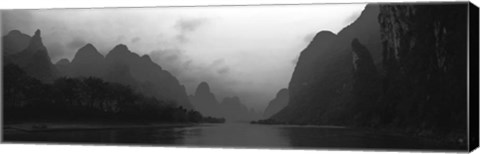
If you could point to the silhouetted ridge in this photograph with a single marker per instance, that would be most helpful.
(14, 42)
(36, 42)
(33, 59)
(63, 61)
(205, 101)
(231, 108)
(119, 49)
(87, 53)
(142, 73)
(323, 36)
(15, 32)
(277, 104)
(399, 67)
(147, 58)
(202, 88)
(321, 84)
(88, 62)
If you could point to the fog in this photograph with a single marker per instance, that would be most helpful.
(244, 51)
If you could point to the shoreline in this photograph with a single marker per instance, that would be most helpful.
(453, 138)
(59, 126)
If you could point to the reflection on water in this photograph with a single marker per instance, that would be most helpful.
(234, 135)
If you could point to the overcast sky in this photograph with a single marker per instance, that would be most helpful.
(245, 51)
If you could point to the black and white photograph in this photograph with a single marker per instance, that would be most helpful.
(345, 76)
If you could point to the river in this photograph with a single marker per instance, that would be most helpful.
(241, 135)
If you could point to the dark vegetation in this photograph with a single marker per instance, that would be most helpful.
(417, 85)
(85, 99)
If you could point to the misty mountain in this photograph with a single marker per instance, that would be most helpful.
(205, 101)
(418, 83)
(87, 62)
(321, 83)
(63, 67)
(121, 65)
(14, 42)
(231, 108)
(277, 104)
(32, 58)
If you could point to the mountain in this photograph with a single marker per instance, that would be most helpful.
(205, 101)
(425, 59)
(14, 42)
(87, 62)
(150, 77)
(322, 81)
(121, 65)
(277, 104)
(396, 66)
(63, 67)
(232, 109)
(33, 59)
(367, 85)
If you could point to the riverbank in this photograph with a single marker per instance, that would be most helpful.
(84, 126)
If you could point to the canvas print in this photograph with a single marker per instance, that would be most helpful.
(390, 76)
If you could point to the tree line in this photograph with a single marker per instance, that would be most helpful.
(89, 99)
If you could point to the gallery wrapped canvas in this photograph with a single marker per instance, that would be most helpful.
(388, 76)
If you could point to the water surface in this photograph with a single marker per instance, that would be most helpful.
(234, 135)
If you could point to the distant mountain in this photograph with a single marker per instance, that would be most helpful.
(119, 65)
(321, 84)
(14, 42)
(205, 101)
(87, 62)
(123, 66)
(277, 104)
(63, 67)
(32, 58)
(231, 108)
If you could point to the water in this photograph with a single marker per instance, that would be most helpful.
(234, 135)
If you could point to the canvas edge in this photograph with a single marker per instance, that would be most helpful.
(473, 103)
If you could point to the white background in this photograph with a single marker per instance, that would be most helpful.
(89, 149)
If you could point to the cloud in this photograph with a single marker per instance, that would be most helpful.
(195, 44)
(135, 39)
(188, 25)
(217, 62)
(17, 19)
(56, 50)
(223, 70)
(352, 17)
(185, 26)
(76, 44)
(169, 59)
(192, 71)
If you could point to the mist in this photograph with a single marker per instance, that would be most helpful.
(244, 51)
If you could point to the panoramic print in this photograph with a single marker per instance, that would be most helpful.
(335, 76)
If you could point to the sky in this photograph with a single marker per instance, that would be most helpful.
(244, 51)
